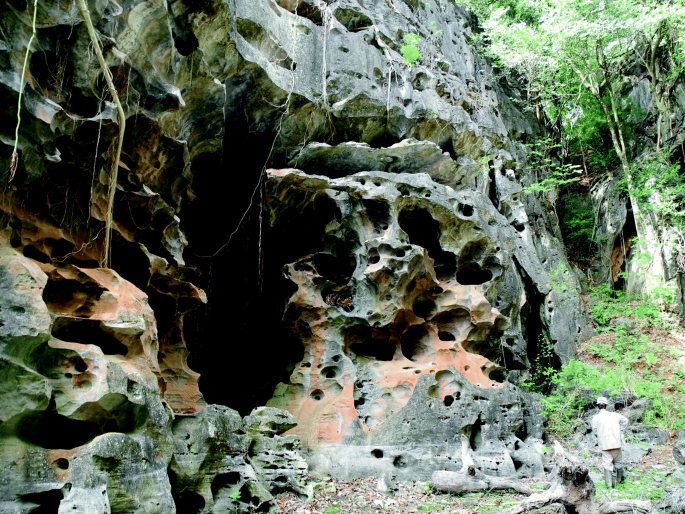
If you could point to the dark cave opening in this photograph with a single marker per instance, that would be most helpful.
(621, 252)
(425, 231)
(540, 354)
(245, 283)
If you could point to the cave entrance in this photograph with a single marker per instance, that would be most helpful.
(540, 352)
(621, 251)
(242, 342)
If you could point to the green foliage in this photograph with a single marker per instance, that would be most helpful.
(577, 223)
(587, 131)
(632, 350)
(550, 173)
(658, 174)
(410, 50)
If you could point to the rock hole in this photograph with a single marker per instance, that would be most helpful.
(343, 49)
(352, 20)
(62, 463)
(224, 481)
(317, 394)
(449, 400)
(336, 358)
(399, 462)
(373, 344)
(306, 364)
(330, 372)
(497, 375)
(519, 226)
(81, 367)
(87, 331)
(425, 231)
(446, 336)
(472, 274)
(375, 259)
(413, 342)
(467, 367)
(465, 210)
(423, 307)
(47, 501)
(377, 453)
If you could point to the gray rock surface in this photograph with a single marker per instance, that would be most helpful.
(397, 329)
(84, 426)
(679, 448)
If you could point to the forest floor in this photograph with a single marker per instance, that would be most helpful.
(649, 479)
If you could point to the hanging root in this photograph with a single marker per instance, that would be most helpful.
(14, 161)
(121, 120)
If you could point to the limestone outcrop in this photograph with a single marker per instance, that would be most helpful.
(398, 307)
(84, 424)
(418, 278)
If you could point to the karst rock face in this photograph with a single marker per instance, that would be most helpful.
(386, 282)
(84, 426)
(396, 325)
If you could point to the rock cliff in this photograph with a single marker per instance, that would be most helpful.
(300, 219)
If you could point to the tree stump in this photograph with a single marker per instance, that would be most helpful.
(571, 487)
(469, 479)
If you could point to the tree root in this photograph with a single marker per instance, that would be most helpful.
(121, 120)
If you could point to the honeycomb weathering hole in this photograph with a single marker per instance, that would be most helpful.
(425, 231)
(466, 210)
(87, 331)
(377, 453)
(446, 336)
(472, 274)
(449, 400)
(317, 394)
(412, 342)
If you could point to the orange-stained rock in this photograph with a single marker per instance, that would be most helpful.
(397, 328)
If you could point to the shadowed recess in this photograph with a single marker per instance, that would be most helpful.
(424, 231)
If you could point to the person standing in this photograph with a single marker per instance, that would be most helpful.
(608, 427)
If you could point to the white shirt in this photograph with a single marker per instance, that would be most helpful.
(607, 426)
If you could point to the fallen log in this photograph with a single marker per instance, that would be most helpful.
(470, 479)
(637, 506)
(453, 482)
(572, 487)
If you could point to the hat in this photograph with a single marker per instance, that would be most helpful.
(603, 400)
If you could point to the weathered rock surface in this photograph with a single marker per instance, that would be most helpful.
(679, 448)
(391, 306)
(84, 426)
(413, 287)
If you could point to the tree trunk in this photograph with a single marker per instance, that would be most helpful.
(469, 479)
(636, 506)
